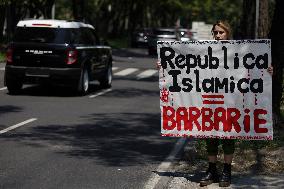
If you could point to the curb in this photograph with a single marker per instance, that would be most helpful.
(159, 178)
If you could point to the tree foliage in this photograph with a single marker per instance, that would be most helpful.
(14, 11)
(115, 18)
(118, 17)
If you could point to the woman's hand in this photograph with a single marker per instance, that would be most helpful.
(158, 65)
(270, 70)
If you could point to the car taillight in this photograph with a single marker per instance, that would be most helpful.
(9, 55)
(72, 56)
(41, 24)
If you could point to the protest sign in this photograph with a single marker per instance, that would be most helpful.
(216, 89)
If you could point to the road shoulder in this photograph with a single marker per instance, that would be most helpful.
(187, 172)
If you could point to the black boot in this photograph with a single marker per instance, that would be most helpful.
(225, 179)
(210, 176)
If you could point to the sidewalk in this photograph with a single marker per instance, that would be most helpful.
(179, 177)
(190, 181)
(254, 182)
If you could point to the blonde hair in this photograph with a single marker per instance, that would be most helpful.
(225, 26)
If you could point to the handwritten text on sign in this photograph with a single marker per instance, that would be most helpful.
(216, 89)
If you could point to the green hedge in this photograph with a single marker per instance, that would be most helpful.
(118, 43)
(2, 56)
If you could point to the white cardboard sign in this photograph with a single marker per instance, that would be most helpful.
(216, 89)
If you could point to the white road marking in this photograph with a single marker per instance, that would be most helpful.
(17, 125)
(147, 73)
(126, 72)
(154, 179)
(100, 93)
(114, 68)
(2, 89)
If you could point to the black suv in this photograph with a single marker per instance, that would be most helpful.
(57, 51)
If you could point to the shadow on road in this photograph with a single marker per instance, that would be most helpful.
(54, 90)
(9, 109)
(132, 93)
(192, 177)
(116, 139)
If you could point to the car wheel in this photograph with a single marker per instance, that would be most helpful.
(84, 82)
(14, 87)
(106, 81)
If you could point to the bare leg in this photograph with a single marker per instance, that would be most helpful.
(212, 159)
(228, 158)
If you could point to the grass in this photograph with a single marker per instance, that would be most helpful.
(2, 56)
(2, 51)
(118, 43)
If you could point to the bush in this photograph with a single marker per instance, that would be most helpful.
(2, 56)
(119, 43)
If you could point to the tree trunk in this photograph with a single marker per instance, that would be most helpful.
(11, 19)
(78, 9)
(47, 11)
(2, 20)
(277, 38)
(247, 30)
(263, 21)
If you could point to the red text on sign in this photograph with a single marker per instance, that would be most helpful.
(209, 119)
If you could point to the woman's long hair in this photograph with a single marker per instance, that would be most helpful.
(225, 25)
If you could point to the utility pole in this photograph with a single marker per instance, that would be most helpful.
(53, 11)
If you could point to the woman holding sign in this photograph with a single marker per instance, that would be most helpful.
(221, 30)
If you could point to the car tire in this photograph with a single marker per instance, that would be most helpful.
(84, 82)
(14, 87)
(106, 80)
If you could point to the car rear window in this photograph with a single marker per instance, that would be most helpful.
(42, 35)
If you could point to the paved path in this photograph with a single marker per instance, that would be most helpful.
(239, 181)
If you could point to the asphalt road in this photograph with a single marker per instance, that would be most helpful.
(51, 138)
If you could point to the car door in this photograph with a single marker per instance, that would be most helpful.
(103, 53)
(91, 52)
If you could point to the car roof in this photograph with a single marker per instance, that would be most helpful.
(164, 29)
(50, 23)
(183, 29)
(143, 28)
